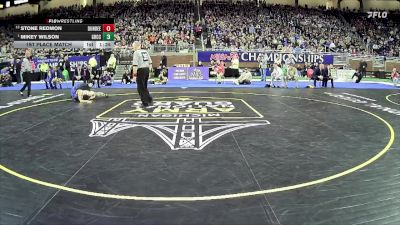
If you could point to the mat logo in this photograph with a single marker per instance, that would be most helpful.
(183, 122)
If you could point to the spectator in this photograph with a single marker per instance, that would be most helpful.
(395, 77)
(245, 78)
(231, 26)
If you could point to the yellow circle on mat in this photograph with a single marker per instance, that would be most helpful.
(213, 197)
(388, 98)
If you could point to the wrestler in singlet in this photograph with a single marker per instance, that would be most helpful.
(74, 90)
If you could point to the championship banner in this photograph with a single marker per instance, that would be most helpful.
(83, 60)
(188, 73)
(74, 60)
(52, 62)
(207, 56)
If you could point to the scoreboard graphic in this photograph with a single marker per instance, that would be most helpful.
(86, 33)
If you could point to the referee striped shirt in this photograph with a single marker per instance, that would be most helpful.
(26, 66)
(141, 59)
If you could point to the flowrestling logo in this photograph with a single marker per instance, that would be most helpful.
(377, 14)
(183, 122)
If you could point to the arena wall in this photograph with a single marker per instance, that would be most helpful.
(282, 2)
(109, 2)
(62, 3)
(174, 59)
(312, 3)
(351, 4)
(18, 10)
(386, 5)
(392, 64)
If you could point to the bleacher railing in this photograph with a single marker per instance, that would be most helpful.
(183, 48)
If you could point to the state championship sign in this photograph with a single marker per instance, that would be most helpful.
(74, 60)
(188, 73)
(207, 56)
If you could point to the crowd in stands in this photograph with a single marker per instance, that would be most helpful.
(165, 23)
(277, 27)
(380, 35)
(241, 26)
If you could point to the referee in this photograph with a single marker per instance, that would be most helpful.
(141, 68)
(26, 70)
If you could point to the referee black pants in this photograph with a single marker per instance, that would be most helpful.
(359, 77)
(27, 79)
(142, 79)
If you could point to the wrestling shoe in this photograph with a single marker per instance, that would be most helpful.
(151, 101)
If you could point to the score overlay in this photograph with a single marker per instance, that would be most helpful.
(65, 33)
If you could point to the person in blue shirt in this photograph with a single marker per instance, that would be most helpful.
(5, 77)
(49, 78)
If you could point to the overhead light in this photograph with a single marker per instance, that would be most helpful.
(7, 4)
(17, 2)
(1, 6)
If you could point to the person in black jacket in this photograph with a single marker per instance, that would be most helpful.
(18, 70)
(76, 75)
(317, 75)
(163, 61)
(362, 69)
(325, 75)
(126, 78)
(359, 76)
(12, 70)
(163, 64)
(61, 64)
(330, 74)
(97, 74)
(85, 73)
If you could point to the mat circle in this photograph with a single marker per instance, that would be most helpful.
(384, 150)
(390, 100)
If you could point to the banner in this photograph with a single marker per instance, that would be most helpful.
(83, 60)
(198, 73)
(177, 73)
(74, 60)
(207, 56)
(188, 73)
